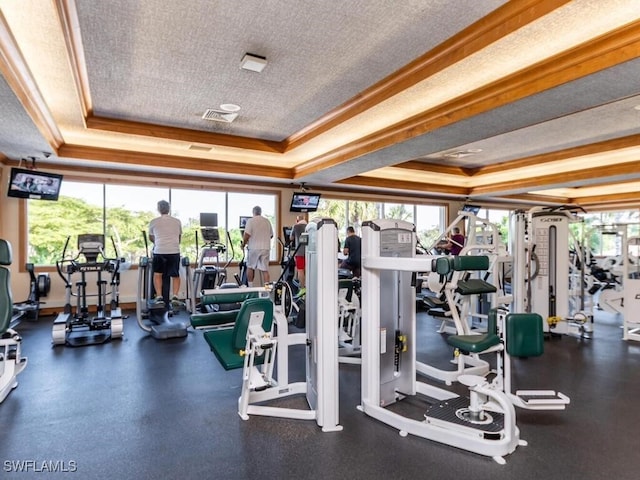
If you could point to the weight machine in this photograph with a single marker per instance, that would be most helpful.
(259, 340)
(544, 279)
(78, 328)
(486, 422)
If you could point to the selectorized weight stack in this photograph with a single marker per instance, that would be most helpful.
(485, 423)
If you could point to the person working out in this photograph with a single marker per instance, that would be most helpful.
(351, 249)
(455, 242)
(165, 232)
(258, 233)
(297, 230)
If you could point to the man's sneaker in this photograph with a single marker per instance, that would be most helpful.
(157, 302)
(175, 302)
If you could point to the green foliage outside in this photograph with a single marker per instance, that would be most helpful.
(360, 212)
(51, 223)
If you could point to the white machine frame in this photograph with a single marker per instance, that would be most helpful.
(380, 387)
(546, 285)
(321, 386)
(11, 362)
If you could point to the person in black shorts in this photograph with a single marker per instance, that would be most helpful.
(165, 232)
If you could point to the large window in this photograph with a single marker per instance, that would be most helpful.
(605, 231)
(123, 212)
(428, 219)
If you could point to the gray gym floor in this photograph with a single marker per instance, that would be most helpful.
(141, 409)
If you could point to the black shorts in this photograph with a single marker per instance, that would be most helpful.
(167, 263)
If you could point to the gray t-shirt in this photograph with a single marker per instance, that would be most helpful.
(260, 232)
(166, 231)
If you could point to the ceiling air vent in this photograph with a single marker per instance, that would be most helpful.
(219, 116)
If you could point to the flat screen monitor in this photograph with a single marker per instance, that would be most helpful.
(471, 208)
(304, 202)
(208, 219)
(243, 222)
(34, 184)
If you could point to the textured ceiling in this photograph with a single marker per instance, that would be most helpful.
(371, 95)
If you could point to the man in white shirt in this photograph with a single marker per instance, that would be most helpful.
(165, 232)
(258, 233)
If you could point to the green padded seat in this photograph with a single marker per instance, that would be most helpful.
(525, 335)
(226, 343)
(473, 343)
(222, 317)
(475, 286)
(478, 343)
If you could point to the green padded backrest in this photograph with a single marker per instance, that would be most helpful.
(470, 262)
(239, 337)
(525, 335)
(6, 302)
(222, 298)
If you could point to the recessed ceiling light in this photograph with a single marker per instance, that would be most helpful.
(230, 107)
(637, 107)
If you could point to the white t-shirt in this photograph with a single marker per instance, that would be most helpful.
(260, 232)
(166, 231)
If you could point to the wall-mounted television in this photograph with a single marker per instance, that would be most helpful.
(471, 208)
(35, 184)
(304, 202)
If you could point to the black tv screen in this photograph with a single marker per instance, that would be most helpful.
(243, 222)
(304, 202)
(34, 184)
(208, 219)
(471, 208)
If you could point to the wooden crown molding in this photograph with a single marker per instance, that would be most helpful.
(489, 29)
(599, 54)
(171, 161)
(18, 76)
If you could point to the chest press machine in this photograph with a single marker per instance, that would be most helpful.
(258, 341)
(483, 423)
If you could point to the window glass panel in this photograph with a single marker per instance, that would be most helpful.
(241, 205)
(129, 209)
(398, 211)
(78, 210)
(187, 205)
(333, 209)
(429, 223)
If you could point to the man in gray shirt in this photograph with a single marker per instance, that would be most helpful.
(258, 233)
(165, 232)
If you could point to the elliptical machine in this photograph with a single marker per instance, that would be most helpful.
(77, 328)
(158, 320)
